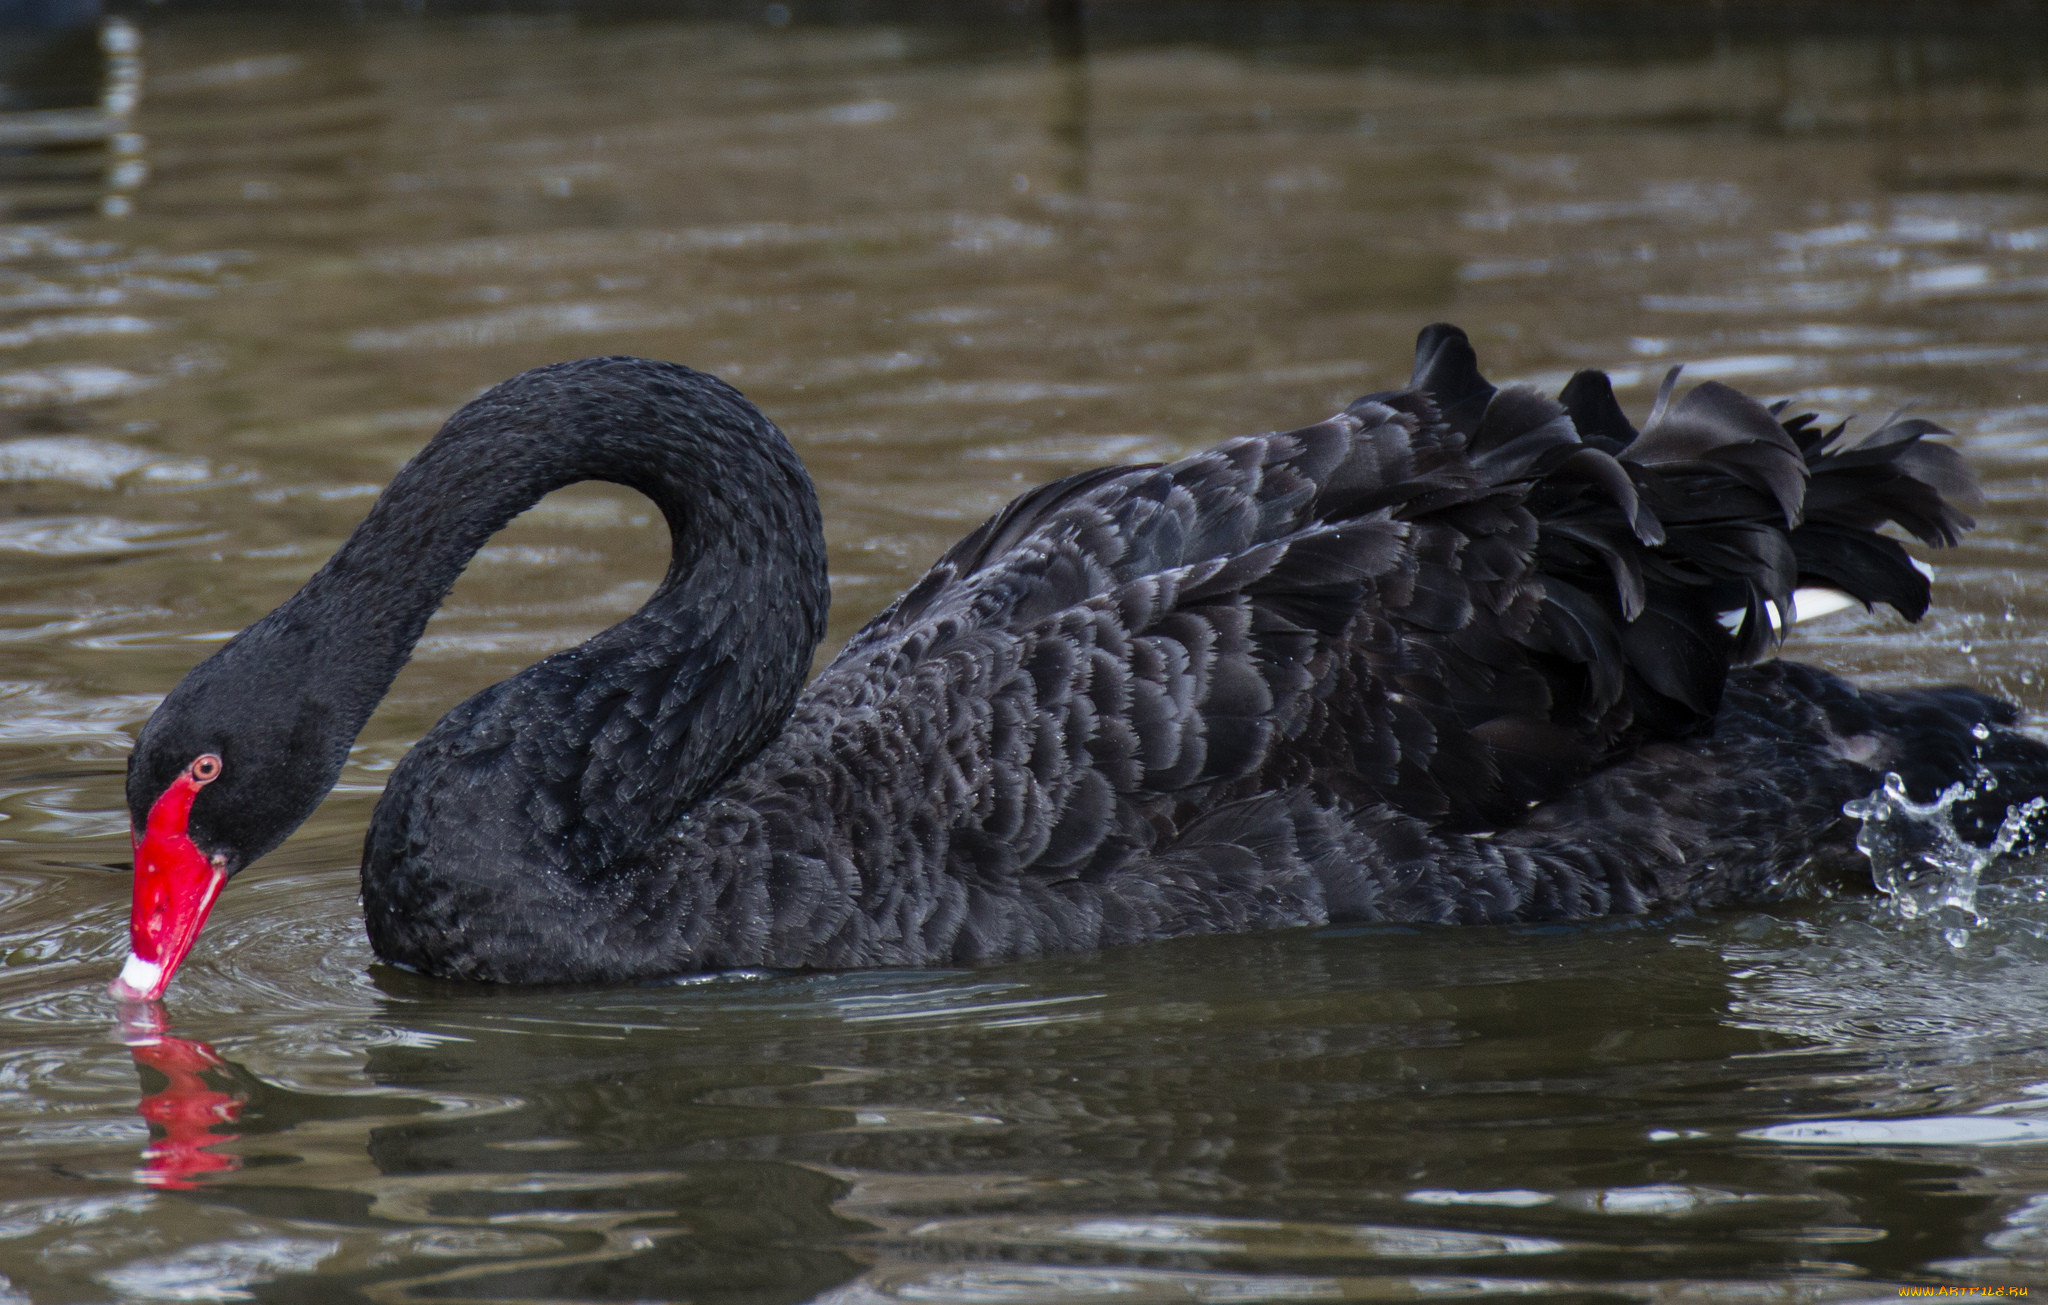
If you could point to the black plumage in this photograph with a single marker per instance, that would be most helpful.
(1456, 654)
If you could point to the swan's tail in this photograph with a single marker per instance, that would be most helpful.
(1671, 552)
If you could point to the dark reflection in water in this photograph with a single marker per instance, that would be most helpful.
(1291, 1116)
(70, 80)
(251, 255)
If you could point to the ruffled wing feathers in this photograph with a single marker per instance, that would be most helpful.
(1452, 598)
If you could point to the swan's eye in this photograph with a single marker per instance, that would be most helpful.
(205, 768)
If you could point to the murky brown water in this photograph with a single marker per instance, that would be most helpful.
(952, 260)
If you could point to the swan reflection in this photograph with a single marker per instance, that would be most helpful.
(188, 1116)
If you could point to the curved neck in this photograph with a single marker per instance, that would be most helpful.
(710, 664)
(740, 508)
(733, 493)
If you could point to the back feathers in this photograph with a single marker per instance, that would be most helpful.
(1451, 599)
(1719, 505)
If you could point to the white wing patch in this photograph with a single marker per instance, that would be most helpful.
(1810, 604)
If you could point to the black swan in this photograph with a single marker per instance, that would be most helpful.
(1457, 654)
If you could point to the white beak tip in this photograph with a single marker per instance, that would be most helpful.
(140, 980)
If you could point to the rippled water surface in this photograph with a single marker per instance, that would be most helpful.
(250, 257)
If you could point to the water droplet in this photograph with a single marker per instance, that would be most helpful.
(1918, 860)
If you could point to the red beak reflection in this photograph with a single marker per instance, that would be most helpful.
(183, 1115)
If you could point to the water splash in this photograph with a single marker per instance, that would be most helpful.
(1925, 869)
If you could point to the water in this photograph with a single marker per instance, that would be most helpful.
(1920, 861)
(250, 256)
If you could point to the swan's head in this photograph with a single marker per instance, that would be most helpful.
(232, 761)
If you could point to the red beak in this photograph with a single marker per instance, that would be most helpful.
(175, 887)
